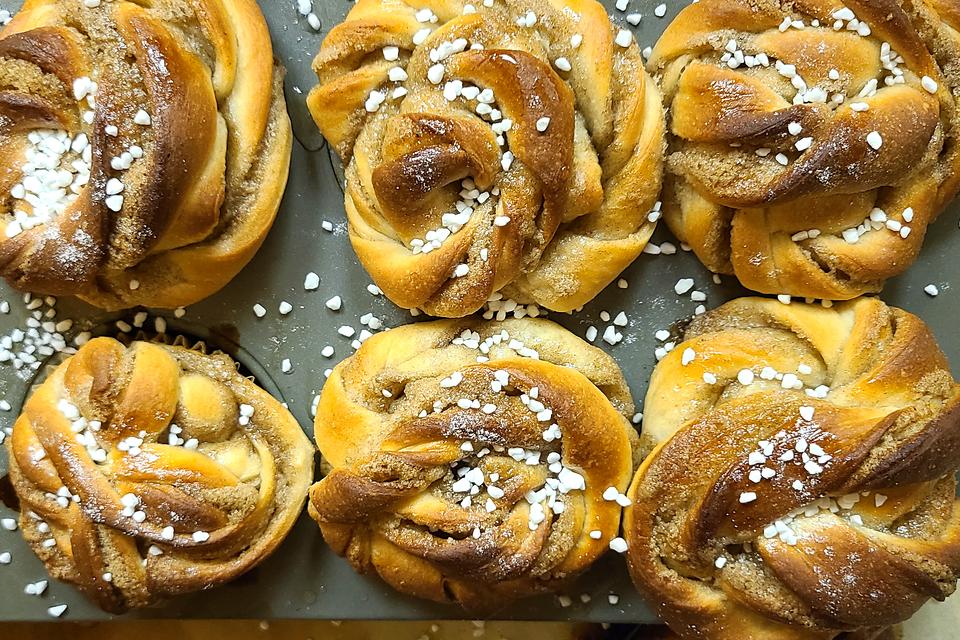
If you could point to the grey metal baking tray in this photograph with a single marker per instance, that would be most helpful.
(304, 579)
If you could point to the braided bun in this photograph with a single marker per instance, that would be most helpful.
(145, 147)
(148, 471)
(802, 482)
(514, 148)
(473, 462)
(812, 142)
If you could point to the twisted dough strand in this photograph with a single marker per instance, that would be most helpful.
(802, 478)
(149, 471)
(447, 207)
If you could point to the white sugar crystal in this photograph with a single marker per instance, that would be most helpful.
(683, 286)
(114, 203)
(435, 74)
(618, 544)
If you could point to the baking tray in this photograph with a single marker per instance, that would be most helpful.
(304, 579)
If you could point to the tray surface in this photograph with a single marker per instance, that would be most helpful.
(304, 579)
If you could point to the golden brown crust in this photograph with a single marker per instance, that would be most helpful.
(427, 178)
(812, 496)
(772, 170)
(409, 421)
(203, 175)
(148, 471)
